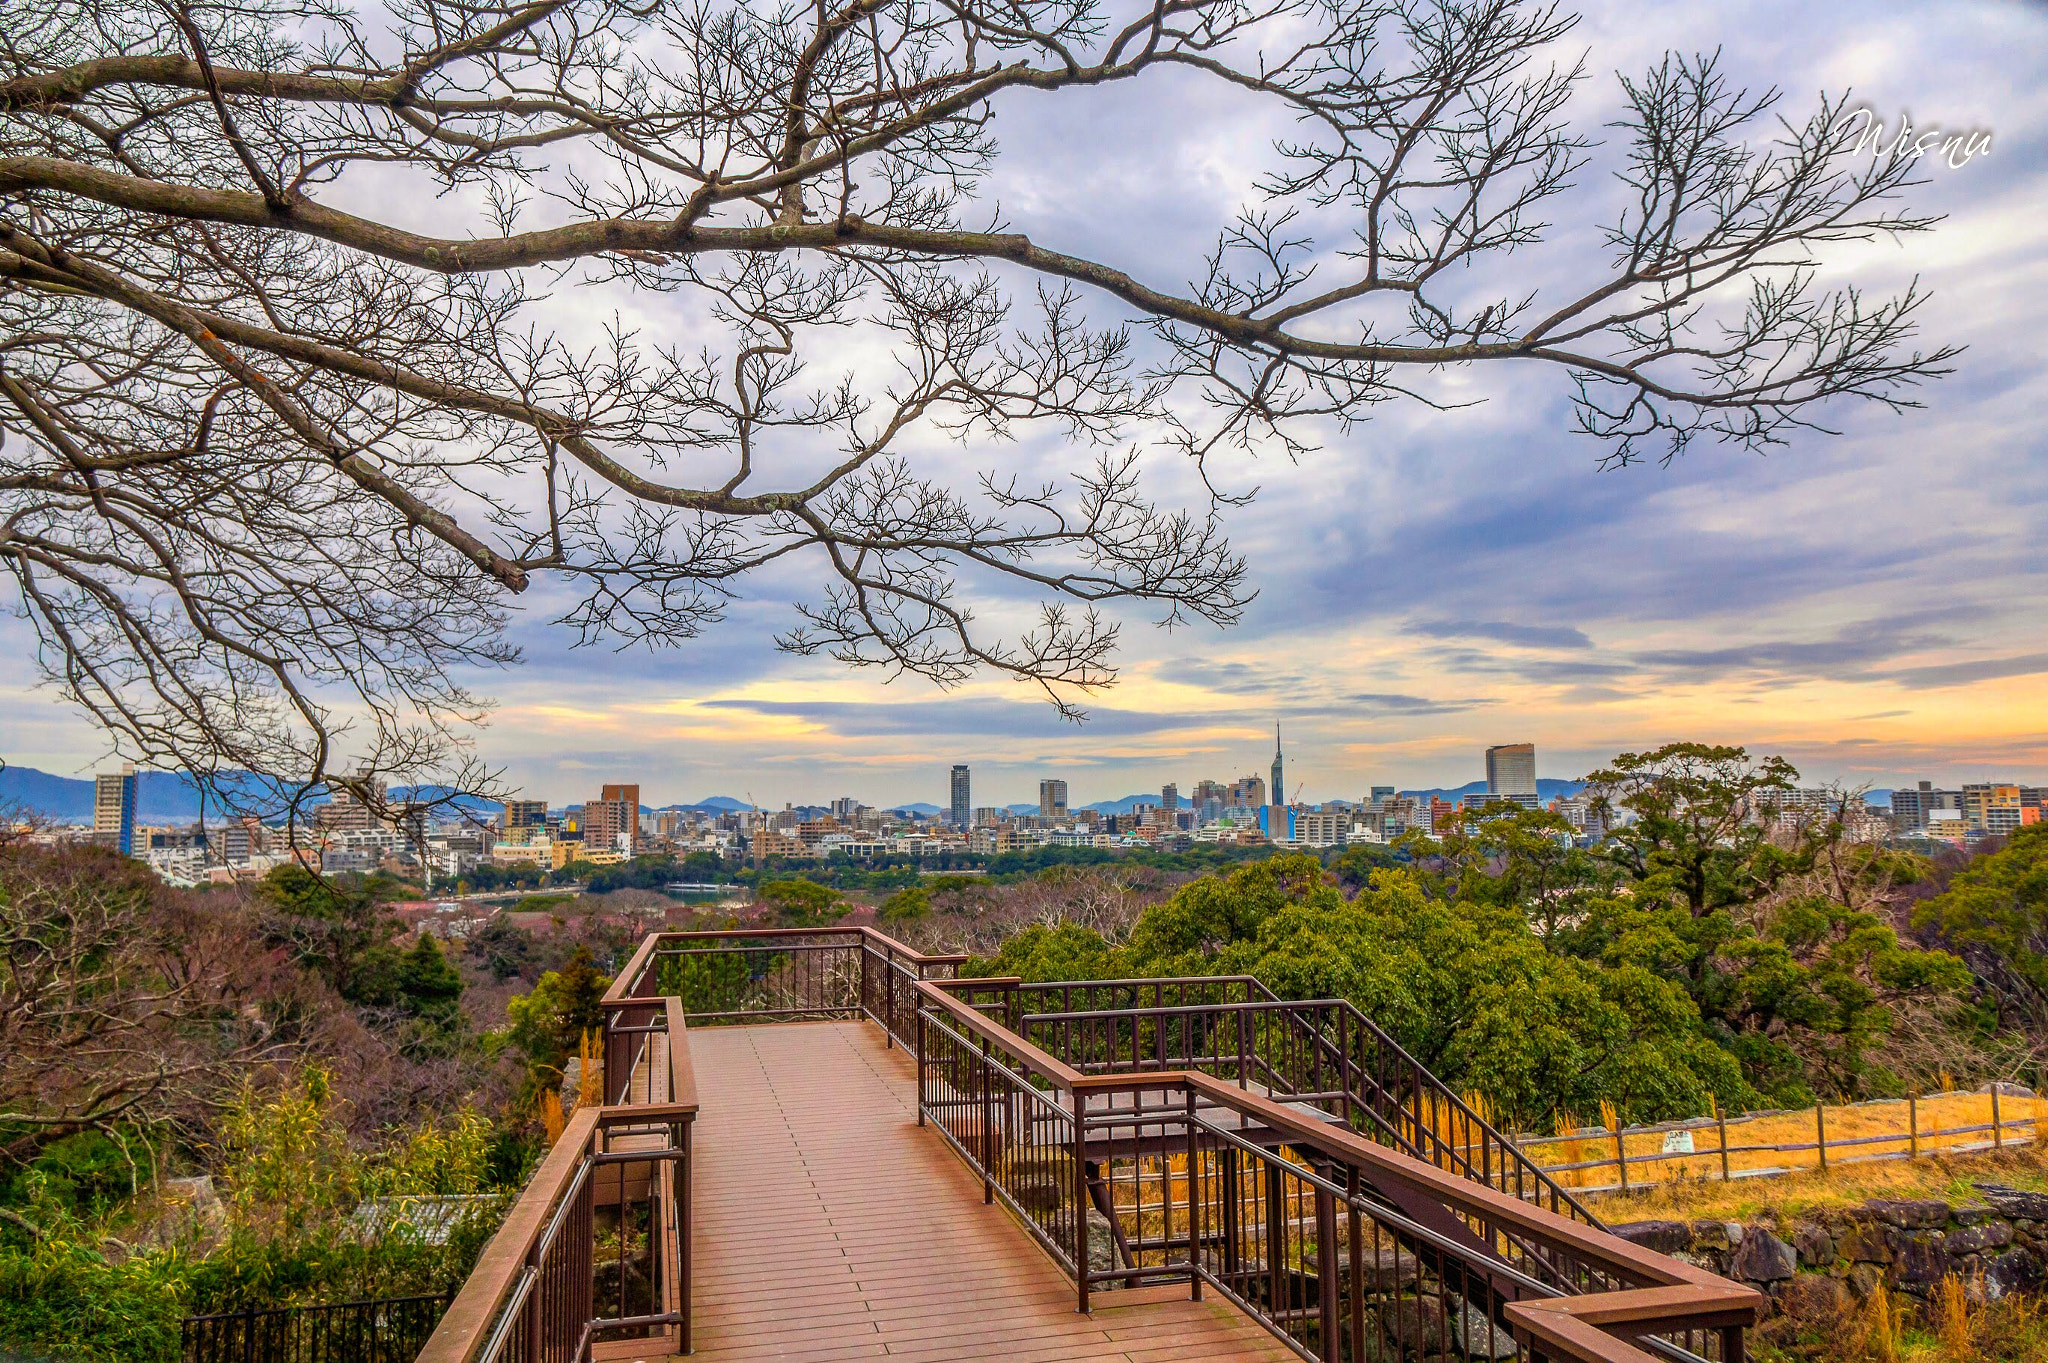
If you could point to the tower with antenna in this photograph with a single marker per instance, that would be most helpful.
(1279, 787)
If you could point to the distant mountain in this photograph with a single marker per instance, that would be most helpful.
(161, 797)
(924, 809)
(723, 804)
(1123, 806)
(1547, 789)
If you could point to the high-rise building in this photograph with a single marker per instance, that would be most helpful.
(524, 820)
(1169, 797)
(1511, 769)
(113, 810)
(1279, 782)
(1052, 799)
(355, 810)
(1912, 808)
(612, 821)
(962, 807)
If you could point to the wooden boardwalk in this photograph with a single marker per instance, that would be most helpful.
(829, 1226)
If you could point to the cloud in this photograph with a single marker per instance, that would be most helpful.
(1961, 674)
(1502, 631)
(1416, 705)
(974, 716)
(1850, 651)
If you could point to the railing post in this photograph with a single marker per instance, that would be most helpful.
(1997, 1130)
(1621, 1152)
(1194, 1205)
(1820, 1132)
(1721, 1118)
(1080, 1191)
(988, 1126)
(889, 1004)
(920, 1066)
(1913, 1126)
(1326, 1267)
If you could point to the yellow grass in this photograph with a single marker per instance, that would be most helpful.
(1948, 1177)
(1938, 1112)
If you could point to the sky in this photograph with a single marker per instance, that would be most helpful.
(1872, 605)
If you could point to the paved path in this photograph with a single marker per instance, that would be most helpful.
(829, 1226)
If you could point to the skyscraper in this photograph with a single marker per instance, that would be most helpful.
(1511, 769)
(1052, 799)
(113, 810)
(963, 808)
(612, 820)
(1169, 797)
(1279, 783)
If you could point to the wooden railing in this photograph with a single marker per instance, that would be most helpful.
(1133, 1170)
(1323, 1052)
(596, 1248)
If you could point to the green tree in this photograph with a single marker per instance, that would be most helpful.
(548, 1023)
(1997, 910)
(802, 903)
(341, 933)
(430, 994)
(1468, 989)
(1067, 951)
(905, 906)
(1700, 828)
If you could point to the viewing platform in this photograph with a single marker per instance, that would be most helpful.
(819, 1145)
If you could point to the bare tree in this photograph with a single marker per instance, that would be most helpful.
(124, 1008)
(278, 455)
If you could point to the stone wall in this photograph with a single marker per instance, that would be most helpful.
(1996, 1243)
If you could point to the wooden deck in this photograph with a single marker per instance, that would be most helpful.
(829, 1226)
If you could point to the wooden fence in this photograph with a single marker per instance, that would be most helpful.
(1766, 1144)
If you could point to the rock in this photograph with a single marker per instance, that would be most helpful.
(2014, 1203)
(1762, 1258)
(1813, 1298)
(1479, 1337)
(1867, 1243)
(2016, 1270)
(1711, 1235)
(1977, 1239)
(1910, 1213)
(1420, 1326)
(1665, 1237)
(1414, 1323)
(1971, 1214)
(1815, 1247)
(1922, 1261)
(1389, 1271)
(1862, 1280)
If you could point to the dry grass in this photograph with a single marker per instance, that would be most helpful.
(1957, 1326)
(1944, 1176)
(1937, 1112)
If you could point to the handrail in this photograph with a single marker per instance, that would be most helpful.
(1299, 1013)
(1658, 1292)
(546, 1242)
(466, 1326)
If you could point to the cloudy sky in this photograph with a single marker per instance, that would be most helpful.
(1873, 605)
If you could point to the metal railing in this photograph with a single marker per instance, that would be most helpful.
(596, 1248)
(1288, 1156)
(1221, 1139)
(1323, 1052)
(382, 1330)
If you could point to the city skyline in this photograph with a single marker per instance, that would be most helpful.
(1869, 605)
